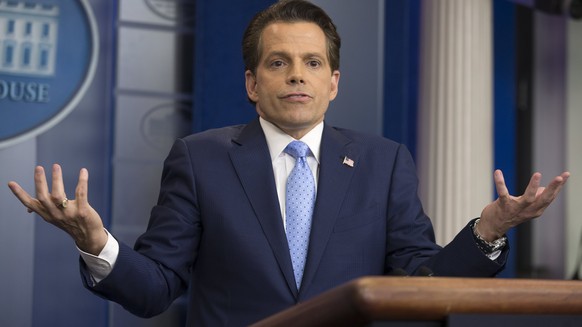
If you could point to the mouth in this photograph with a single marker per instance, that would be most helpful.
(296, 97)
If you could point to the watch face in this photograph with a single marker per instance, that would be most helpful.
(164, 8)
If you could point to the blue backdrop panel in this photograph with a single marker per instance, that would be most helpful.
(219, 91)
(401, 71)
(504, 104)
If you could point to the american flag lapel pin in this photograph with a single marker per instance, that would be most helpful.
(348, 162)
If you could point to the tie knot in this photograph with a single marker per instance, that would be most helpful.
(297, 149)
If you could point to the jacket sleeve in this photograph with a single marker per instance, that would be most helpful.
(146, 280)
(411, 242)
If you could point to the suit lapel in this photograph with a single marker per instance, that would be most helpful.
(334, 180)
(252, 162)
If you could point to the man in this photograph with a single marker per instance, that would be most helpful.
(224, 216)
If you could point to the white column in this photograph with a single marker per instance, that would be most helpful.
(455, 159)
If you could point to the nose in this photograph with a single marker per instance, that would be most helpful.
(296, 75)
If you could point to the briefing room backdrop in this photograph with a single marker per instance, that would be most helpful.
(167, 68)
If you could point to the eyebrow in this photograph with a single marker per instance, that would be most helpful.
(285, 54)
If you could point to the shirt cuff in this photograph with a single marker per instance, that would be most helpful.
(493, 256)
(100, 266)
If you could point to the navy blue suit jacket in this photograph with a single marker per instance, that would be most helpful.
(217, 229)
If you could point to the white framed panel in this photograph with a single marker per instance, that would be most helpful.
(147, 60)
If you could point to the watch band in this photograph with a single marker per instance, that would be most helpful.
(485, 246)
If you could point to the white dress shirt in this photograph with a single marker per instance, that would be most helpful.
(283, 163)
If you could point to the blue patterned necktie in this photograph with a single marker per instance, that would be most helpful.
(300, 200)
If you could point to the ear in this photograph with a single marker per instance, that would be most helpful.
(335, 76)
(251, 86)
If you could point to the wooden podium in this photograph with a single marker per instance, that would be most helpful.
(377, 301)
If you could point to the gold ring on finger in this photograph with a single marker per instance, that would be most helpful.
(63, 203)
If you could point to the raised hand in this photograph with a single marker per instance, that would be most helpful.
(509, 211)
(75, 216)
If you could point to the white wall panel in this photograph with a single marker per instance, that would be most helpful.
(152, 108)
(158, 12)
(574, 145)
(17, 237)
(549, 100)
(146, 127)
(147, 60)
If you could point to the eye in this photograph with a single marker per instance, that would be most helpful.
(277, 64)
(314, 63)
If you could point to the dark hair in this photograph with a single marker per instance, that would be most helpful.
(289, 11)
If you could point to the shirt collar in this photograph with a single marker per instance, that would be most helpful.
(277, 140)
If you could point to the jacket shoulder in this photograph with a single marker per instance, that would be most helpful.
(368, 140)
(218, 135)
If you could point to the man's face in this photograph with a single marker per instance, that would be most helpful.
(294, 82)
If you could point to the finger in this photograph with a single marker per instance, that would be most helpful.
(532, 188)
(82, 188)
(559, 181)
(41, 186)
(500, 186)
(15, 188)
(58, 188)
(555, 186)
(540, 191)
(21, 194)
